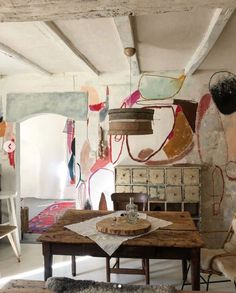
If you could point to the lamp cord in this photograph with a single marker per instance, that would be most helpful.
(130, 76)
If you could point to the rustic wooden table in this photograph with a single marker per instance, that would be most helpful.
(181, 240)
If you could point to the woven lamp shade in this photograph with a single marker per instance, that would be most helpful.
(130, 121)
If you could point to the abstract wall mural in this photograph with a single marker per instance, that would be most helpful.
(168, 145)
(101, 107)
(173, 126)
(222, 86)
(85, 164)
(157, 87)
(172, 137)
(70, 131)
(184, 131)
(215, 132)
(9, 143)
(94, 154)
(2, 127)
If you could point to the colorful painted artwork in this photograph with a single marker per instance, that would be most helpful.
(92, 93)
(168, 145)
(181, 127)
(215, 143)
(222, 86)
(157, 87)
(189, 109)
(104, 111)
(131, 100)
(9, 143)
(70, 131)
(181, 137)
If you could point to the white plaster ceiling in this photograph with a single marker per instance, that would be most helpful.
(163, 41)
(98, 40)
(9, 65)
(223, 54)
(167, 41)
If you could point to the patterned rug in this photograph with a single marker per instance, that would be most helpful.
(49, 216)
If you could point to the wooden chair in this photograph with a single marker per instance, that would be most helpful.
(215, 264)
(7, 231)
(120, 200)
(10, 228)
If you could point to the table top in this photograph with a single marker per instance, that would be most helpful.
(182, 233)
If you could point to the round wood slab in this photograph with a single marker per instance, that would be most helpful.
(120, 226)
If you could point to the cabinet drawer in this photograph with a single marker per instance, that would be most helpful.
(157, 192)
(191, 176)
(123, 188)
(123, 176)
(140, 175)
(156, 176)
(140, 188)
(191, 194)
(173, 194)
(173, 176)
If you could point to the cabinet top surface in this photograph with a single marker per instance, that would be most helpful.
(160, 166)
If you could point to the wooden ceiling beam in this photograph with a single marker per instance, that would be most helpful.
(218, 22)
(49, 10)
(125, 31)
(12, 53)
(54, 32)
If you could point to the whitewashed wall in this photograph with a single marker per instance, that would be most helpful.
(44, 158)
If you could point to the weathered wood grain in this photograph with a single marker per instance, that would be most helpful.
(4, 230)
(46, 10)
(120, 226)
(26, 286)
(182, 233)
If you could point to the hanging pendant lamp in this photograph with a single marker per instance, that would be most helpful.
(130, 121)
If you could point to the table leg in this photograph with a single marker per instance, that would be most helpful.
(195, 269)
(108, 271)
(73, 265)
(184, 269)
(48, 257)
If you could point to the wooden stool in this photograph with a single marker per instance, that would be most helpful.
(10, 228)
